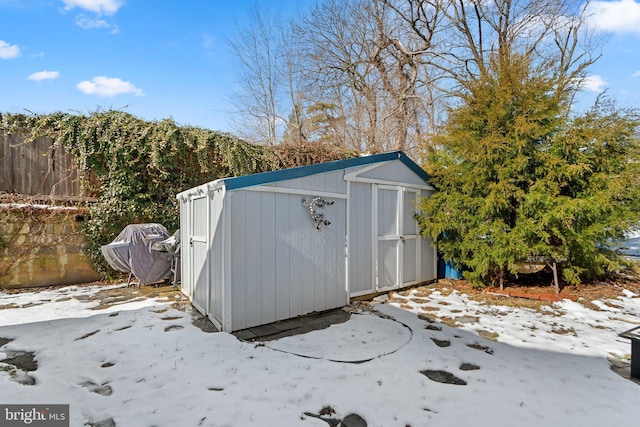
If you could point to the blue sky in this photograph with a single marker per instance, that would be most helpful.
(154, 58)
(159, 59)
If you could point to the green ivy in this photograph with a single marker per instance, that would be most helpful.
(135, 167)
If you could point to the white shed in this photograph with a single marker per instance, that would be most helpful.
(276, 245)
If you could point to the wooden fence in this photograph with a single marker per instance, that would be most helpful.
(37, 168)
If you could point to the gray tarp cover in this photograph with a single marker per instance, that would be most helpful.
(131, 252)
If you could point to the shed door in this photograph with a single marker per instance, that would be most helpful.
(198, 247)
(396, 231)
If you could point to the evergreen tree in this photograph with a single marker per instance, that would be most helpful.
(516, 176)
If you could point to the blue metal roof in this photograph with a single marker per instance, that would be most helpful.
(235, 183)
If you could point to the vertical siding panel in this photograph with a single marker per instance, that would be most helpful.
(363, 211)
(253, 264)
(283, 254)
(200, 252)
(185, 257)
(335, 284)
(320, 182)
(307, 248)
(367, 237)
(217, 256)
(341, 284)
(268, 255)
(354, 247)
(237, 209)
(321, 242)
(329, 254)
(337, 181)
(296, 259)
(361, 246)
(427, 255)
(307, 182)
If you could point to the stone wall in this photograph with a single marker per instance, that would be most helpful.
(42, 245)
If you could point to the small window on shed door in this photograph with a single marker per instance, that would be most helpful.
(199, 219)
(409, 223)
(387, 212)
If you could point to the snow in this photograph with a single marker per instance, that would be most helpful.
(547, 367)
(20, 206)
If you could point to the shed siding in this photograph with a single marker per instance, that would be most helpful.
(267, 260)
(216, 255)
(236, 205)
(395, 171)
(281, 265)
(185, 256)
(327, 181)
(360, 244)
(428, 252)
(282, 258)
(199, 252)
(268, 256)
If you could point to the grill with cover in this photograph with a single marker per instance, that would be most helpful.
(132, 252)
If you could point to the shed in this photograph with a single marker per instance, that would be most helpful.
(276, 245)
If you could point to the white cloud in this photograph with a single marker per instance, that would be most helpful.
(100, 7)
(8, 51)
(636, 74)
(44, 75)
(594, 83)
(89, 24)
(108, 86)
(618, 16)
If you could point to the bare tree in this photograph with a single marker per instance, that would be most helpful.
(359, 55)
(262, 81)
(552, 32)
(380, 74)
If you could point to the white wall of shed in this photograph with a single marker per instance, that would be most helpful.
(281, 265)
(185, 255)
(360, 239)
(216, 256)
(429, 255)
(327, 182)
(361, 215)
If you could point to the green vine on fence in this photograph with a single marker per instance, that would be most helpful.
(135, 167)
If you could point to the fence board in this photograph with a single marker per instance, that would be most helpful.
(36, 168)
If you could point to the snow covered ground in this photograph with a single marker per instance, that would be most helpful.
(141, 362)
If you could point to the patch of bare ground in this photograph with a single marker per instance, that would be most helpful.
(110, 297)
(557, 329)
(488, 335)
(585, 293)
(11, 291)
